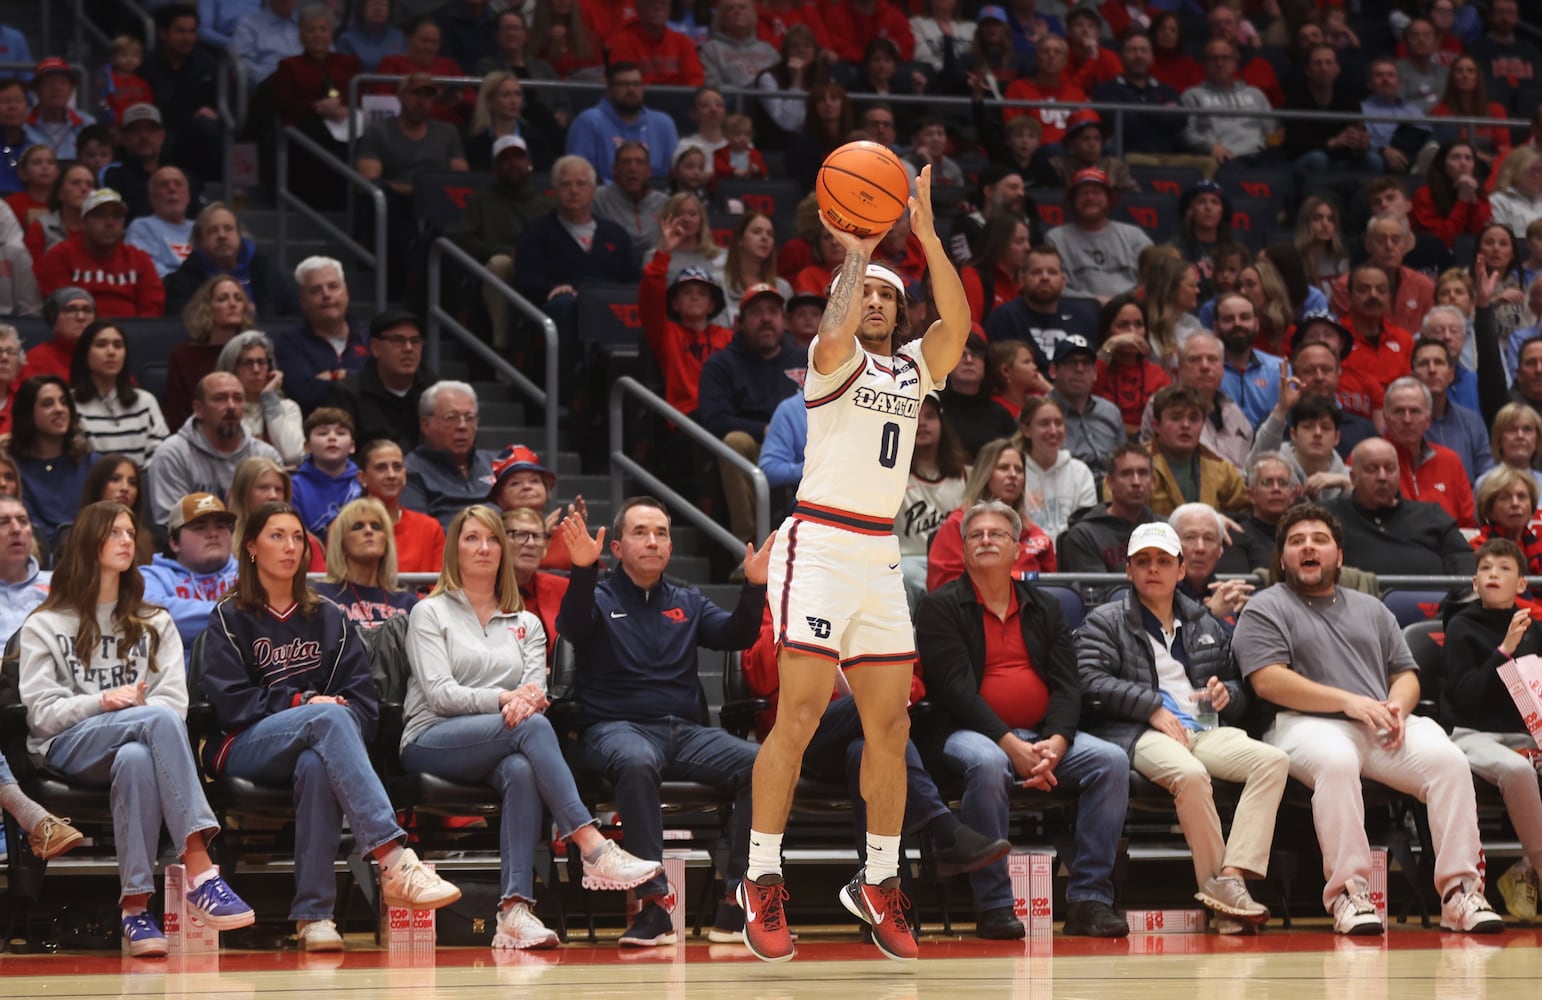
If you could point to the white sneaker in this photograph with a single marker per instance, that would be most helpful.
(1518, 886)
(408, 883)
(1465, 909)
(519, 927)
(1353, 911)
(318, 935)
(616, 869)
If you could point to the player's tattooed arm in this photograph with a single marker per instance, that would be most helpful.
(836, 341)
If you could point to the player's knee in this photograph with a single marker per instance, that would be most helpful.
(889, 730)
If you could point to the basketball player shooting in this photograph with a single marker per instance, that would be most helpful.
(837, 600)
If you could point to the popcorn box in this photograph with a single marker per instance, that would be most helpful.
(184, 934)
(1523, 679)
(1166, 921)
(407, 930)
(1378, 886)
(673, 901)
(1033, 875)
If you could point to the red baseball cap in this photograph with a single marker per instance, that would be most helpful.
(53, 64)
(518, 458)
(758, 289)
(1090, 175)
(1085, 118)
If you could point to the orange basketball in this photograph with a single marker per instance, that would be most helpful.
(862, 188)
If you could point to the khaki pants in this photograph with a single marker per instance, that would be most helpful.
(1493, 757)
(1227, 753)
(498, 308)
(1204, 164)
(1330, 756)
(737, 488)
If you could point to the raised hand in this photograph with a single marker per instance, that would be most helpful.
(851, 242)
(584, 549)
(921, 205)
(757, 561)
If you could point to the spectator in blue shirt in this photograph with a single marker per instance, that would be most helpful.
(1451, 425)
(620, 115)
(14, 48)
(371, 37)
(265, 37)
(1249, 377)
(781, 454)
(217, 19)
(167, 233)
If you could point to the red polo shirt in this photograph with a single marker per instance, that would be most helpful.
(1439, 477)
(1011, 687)
(1390, 358)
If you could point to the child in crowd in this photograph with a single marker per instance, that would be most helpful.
(93, 148)
(38, 168)
(121, 85)
(691, 173)
(739, 158)
(1486, 723)
(929, 137)
(327, 479)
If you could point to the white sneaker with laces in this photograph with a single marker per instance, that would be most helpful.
(1466, 909)
(1518, 886)
(1353, 911)
(318, 935)
(519, 927)
(616, 869)
(408, 883)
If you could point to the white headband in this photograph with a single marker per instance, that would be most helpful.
(878, 272)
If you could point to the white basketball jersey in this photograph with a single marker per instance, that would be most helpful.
(862, 431)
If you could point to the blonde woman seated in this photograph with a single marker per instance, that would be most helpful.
(361, 565)
(474, 714)
(118, 721)
(259, 480)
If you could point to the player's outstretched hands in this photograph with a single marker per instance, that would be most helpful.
(756, 562)
(584, 549)
(921, 204)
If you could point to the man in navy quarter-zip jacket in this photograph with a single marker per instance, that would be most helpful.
(639, 695)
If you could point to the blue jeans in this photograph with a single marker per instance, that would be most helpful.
(142, 754)
(638, 756)
(318, 748)
(836, 750)
(1094, 768)
(524, 765)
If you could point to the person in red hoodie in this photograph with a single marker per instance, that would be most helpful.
(1452, 202)
(678, 323)
(664, 56)
(67, 311)
(853, 24)
(121, 278)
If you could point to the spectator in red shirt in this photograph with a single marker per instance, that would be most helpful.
(1382, 353)
(121, 85)
(1171, 64)
(853, 24)
(542, 592)
(602, 18)
(1430, 472)
(678, 322)
(1452, 203)
(419, 538)
(1048, 84)
(121, 278)
(1127, 377)
(665, 56)
(454, 104)
(67, 311)
(776, 17)
(1090, 63)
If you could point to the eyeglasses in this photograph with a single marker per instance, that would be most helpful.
(458, 418)
(254, 363)
(400, 341)
(524, 536)
(371, 525)
(994, 535)
(1275, 484)
(79, 310)
(10, 352)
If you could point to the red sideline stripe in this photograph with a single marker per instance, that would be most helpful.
(895, 658)
(831, 397)
(845, 520)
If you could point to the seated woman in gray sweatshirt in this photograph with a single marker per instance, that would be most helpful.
(474, 714)
(106, 696)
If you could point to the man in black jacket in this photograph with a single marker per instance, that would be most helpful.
(1386, 533)
(1162, 669)
(383, 396)
(1096, 537)
(1007, 703)
(742, 386)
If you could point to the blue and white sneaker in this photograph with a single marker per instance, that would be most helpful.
(144, 936)
(214, 904)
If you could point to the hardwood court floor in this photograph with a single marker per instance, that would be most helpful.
(1278, 965)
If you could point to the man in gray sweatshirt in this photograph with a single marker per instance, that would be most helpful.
(202, 456)
(1226, 138)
